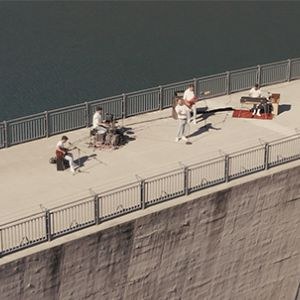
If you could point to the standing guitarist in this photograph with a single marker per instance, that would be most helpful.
(190, 101)
(62, 152)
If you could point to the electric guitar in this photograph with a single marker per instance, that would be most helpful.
(190, 103)
(64, 151)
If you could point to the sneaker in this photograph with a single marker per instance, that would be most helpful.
(184, 138)
(177, 139)
(259, 114)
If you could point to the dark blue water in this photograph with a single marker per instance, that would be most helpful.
(54, 54)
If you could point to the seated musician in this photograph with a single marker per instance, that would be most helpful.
(255, 92)
(190, 101)
(98, 123)
(62, 152)
(265, 106)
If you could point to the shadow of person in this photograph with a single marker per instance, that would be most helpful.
(203, 129)
(81, 160)
(205, 113)
(204, 116)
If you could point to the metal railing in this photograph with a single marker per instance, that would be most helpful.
(60, 120)
(143, 193)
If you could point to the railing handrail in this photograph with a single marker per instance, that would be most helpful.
(275, 63)
(41, 114)
(21, 219)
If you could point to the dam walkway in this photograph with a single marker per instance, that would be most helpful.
(31, 185)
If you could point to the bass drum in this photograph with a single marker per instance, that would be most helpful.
(108, 139)
(116, 140)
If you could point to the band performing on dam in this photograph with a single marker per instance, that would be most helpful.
(106, 133)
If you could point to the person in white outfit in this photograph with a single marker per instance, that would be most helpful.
(190, 100)
(183, 112)
(97, 118)
(255, 92)
(62, 152)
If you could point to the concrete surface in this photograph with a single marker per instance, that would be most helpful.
(29, 183)
(242, 242)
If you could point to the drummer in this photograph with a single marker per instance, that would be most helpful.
(98, 124)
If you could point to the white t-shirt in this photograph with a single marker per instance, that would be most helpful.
(60, 144)
(255, 93)
(182, 111)
(188, 94)
(97, 119)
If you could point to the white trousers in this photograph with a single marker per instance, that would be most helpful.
(194, 109)
(69, 158)
(182, 128)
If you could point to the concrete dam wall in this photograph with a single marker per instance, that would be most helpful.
(239, 243)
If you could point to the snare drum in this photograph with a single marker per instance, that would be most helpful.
(101, 129)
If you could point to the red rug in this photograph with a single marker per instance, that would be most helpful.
(239, 113)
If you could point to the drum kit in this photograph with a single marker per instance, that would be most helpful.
(107, 135)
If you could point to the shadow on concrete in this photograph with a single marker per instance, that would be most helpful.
(283, 107)
(81, 160)
(203, 129)
(205, 113)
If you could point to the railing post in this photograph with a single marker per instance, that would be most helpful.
(227, 83)
(48, 225)
(266, 158)
(160, 99)
(1, 243)
(186, 180)
(142, 194)
(87, 114)
(258, 74)
(226, 171)
(6, 138)
(96, 210)
(46, 124)
(288, 71)
(124, 112)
